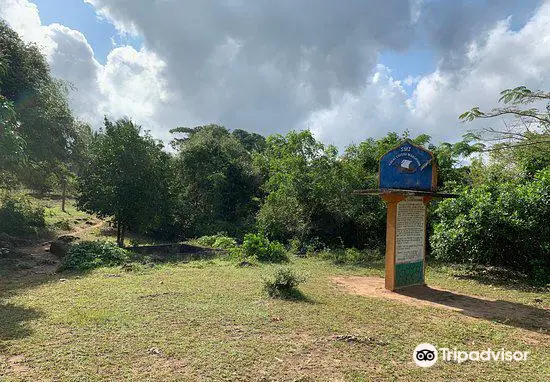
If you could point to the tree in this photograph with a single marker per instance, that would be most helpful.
(522, 126)
(78, 155)
(12, 145)
(127, 177)
(309, 192)
(218, 185)
(522, 145)
(252, 142)
(40, 104)
(501, 223)
(309, 188)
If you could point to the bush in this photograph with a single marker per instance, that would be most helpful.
(217, 241)
(283, 284)
(19, 216)
(207, 241)
(93, 254)
(225, 242)
(501, 224)
(259, 247)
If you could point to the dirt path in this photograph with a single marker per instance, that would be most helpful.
(39, 257)
(507, 312)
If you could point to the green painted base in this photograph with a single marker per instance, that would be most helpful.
(409, 274)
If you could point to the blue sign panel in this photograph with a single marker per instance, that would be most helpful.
(408, 167)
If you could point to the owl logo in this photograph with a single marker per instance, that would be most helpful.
(425, 355)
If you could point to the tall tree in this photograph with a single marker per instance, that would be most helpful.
(40, 103)
(127, 177)
(218, 183)
(12, 144)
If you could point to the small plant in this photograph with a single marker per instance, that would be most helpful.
(64, 225)
(93, 254)
(314, 246)
(283, 284)
(297, 248)
(207, 241)
(256, 245)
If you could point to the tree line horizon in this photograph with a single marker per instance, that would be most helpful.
(290, 187)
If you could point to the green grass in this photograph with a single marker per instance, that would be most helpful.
(58, 220)
(210, 320)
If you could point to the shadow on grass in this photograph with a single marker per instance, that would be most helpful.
(505, 312)
(173, 253)
(14, 320)
(294, 295)
(497, 276)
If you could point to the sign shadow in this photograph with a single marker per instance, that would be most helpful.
(505, 312)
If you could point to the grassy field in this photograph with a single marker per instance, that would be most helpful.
(210, 320)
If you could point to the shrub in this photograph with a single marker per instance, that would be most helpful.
(19, 216)
(225, 242)
(501, 224)
(218, 240)
(93, 254)
(283, 283)
(261, 248)
(207, 241)
(64, 225)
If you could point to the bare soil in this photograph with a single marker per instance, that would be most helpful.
(38, 255)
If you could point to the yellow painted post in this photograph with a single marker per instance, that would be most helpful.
(391, 217)
(426, 200)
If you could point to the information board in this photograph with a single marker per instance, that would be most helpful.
(410, 242)
(410, 230)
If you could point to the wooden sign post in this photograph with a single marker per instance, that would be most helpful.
(407, 182)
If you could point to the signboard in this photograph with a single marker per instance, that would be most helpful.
(410, 242)
(408, 167)
(404, 172)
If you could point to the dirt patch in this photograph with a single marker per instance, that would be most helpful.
(506, 312)
(374, 287)
(44, 262)
(16, 364)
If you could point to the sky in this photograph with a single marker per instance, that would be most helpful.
(347, 70)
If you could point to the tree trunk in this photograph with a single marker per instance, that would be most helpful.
(118, 233)
(63, 194)
(122, 231)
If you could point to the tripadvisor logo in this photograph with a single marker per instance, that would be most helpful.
(426, 355)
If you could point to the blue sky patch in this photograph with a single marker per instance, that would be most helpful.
(81, 16)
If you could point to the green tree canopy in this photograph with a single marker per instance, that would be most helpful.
(39, 101)
(218, 185)
(127, 177)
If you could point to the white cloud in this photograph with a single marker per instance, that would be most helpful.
(129, 84)
(265, 67)
(379, 107)
(261, 65)
(23, 17)
(497, 59)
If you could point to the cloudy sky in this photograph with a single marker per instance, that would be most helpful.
(346, 69)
